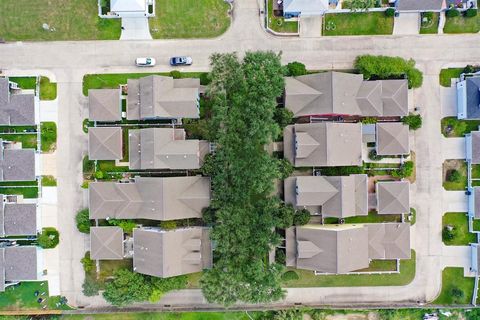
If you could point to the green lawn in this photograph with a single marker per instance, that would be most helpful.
(430, 27)
(459, 221)
(279, 24)
(309, 279)
(49, 181)
(165, 316)
(476, 224)
(113, 80)
(189, 19)
(370, 23)
(446, 75)
(72, 20)
(29, 141)
(462, 25)
(372, 217)
(22, 297)
(25, 82)
(48, 136)
(475, 170)
(458, 128)
(461, 167)
(27, 192)
(48, 90)
(452, 278)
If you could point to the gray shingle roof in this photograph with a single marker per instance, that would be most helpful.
(150, 198)
(105, 143)
(305, 6)
(473, 97)
(393, 197)
(475, 147)
(162, 97)
(171, 253)
(106, 243)
(419, 5)
(19, 219)
(392, 139)
(17, 164)
(20, 263)
(104, 105)
(389, 240)
(15, 109)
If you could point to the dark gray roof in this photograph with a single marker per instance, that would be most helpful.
(389, 240)
(171, 253)
(473, 97)
(19, 219)
(15, 109)
(17, 164)
(419, 5)
(475, 152)
(476, 201)
(20, 263)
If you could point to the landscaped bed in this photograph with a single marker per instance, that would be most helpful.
(369, 23)
(456, 289)
(309, 279)
(66, 19)
(48, 136)
(278, 24)
(452, 127)
(462, 25)
(455, 175)
(189, 19)
(459, 235)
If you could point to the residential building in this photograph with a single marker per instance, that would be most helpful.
(160, 97)
(468, 98)
(337, 93)
(323, 144)
(392, 139)
(420, 6)
(16, 164)
(295, 8)
(475, 257)
(165, 148)
(474, 202)
(338, 197)
(106, 243)
(393, 197)
(164, 254)
(105, 143)
(128, 9)
(19, 263)
(18, 218)
(472, 147)
(104, 105)
(16, 108)
(345, 248)
(162, 199)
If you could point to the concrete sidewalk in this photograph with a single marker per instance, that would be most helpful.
(135, 29)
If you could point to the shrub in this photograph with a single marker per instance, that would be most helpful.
(451, 13)
(372, 155)
(285, 168)
(90, 287)
(301, 217)
(88, 165)
(290, 275)
(454, 176)
(83, 221)
(295, 69)
(283, 117)
(405, 170)
(85, 184)
(175, 74)
(415, 78)
(126, 225)
(448, 233)
(168, 225)
(280, 256)
(285, 216)
(457, 293)
(49, 238)
(470, 13)
(127, 287)
(208, 215)
(428, 15)
(414, 121)
(99, 174)
(341, 171)
(205, 78)
(390, 12)
(88, 264)
(369, 120)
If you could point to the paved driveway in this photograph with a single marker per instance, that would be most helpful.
(448, 102)
(453, 148)
(454, 201)
(407, 23)
(310, 26)
(135, 29)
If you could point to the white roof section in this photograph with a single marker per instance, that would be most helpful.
(305, 7)
(128, 5)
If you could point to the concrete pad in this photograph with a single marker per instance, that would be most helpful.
(453, 148)
(455, 201)
(135, 29)
(49, 164)
(49, 111)
(51, 262)
(448, 102)
(407, 23)
(49, 195)
(310, 26)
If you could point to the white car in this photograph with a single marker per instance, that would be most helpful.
(145, 62)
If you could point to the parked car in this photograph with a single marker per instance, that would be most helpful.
(180, 61)
(145, 62)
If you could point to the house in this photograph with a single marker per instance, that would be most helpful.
(105, 143)
(338, 197)
(475, 257)
(162, 199)
(16, 164)
(468, 98)
(338, 93)
(345, 248)
(159, 97)
(16, 109)
(17, 218)
(472, 147)
(392, 139)
(19, 263)
(131, 8)
(420, 6)
(165, 148)
(474, 202)
(393, 197)
(164, 254)
(104, 105)
(323, 144)
(106, 243)
(295, 8)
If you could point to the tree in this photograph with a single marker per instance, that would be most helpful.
(302, 217)
(208, 215)
(457, 294)
(83, 221)
(49, 238)
(405, 170)
(126, 225)
(283, 117)
(160, 286)
(127, 287)
(295, 69)
(285, 168)
(454, 176)
(285, 216)
(90, 287)
(88, 264)
(390, 12)
(414, 121)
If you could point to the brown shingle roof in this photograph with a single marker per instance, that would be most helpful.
(104, 105)
(105, 143)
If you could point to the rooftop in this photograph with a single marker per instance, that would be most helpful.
(106, 243)
(105, 143)
(393, 197)
(16, 164)
(15, 109)
(392, 139)
(17, 219)
(104, 105)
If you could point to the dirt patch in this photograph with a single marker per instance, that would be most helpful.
(450, 165)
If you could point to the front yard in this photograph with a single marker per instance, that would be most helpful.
(278, 24)
(459, 235)
(446, 76)
(370, 23)
(462, 25)
(189, 19)
(452, 127)
(430, 24)
(48, 90)
(22, 297)
(454, 175)
(456, 289)
(66, 19)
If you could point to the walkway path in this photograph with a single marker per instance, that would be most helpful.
(69, 61)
